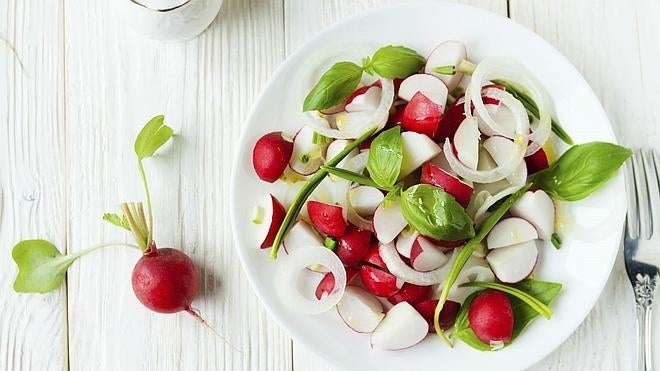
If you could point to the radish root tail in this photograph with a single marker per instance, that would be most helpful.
(195, 314)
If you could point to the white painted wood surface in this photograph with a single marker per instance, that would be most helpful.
(88, 83)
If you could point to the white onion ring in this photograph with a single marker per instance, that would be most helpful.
(400, 269)
(481, 213)
(356, 123)
(475, 269)
(507, 69)
(356, 164)
(298, 261)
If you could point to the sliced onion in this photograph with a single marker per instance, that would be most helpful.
(475, 203)
(482, 211)
(351, 125)
(475, 269)
(291, 267)
(356, 164)
(507, 69)
(401, 270)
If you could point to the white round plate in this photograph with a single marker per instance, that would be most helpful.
(591, 228)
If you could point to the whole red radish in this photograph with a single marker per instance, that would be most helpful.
(353, 245)
(327, 218)
(491, 317)
(421, 115)
(165, 280)
(270, 156)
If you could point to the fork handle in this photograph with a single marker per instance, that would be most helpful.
(644, 336)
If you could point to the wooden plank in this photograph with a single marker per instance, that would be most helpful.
(32, 177)
(303, 19)
(116, 80)
(615, 46)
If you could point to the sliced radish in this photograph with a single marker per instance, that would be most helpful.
(502, 151)
(272, 216)
(396, 114)
(447, 314)
(500, 114)
(301, 235)
(353, 246)
(288, 279)
(491, 317)
(327, 283)
(400, 269)
(365, 199)
(307, 156)
(448, 53)
(425, 256)
(486, 162)
(511, 231)
(410, 293)
(270, 156)
(373, 257)
(429, 85)
(450, 122)
(482, 212)
(360, 310)
(514, 263)
(401, 328)
(328, 219)
(466, 143)
(441, 161)
(379, 282)
(389, 221)
(421, 115)
(537, 161)
(337, 146)
(438, 177)
(366, 102)
(537, 208)
(417, 149)
(405, 241)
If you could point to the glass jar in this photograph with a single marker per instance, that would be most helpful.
(168, 19)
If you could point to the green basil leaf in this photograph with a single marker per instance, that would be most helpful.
(394, 62)
(152, 136)
(582, 170)
(41, 267)
(435, 213)
(334, 86)
(385, 157)
(523, 314)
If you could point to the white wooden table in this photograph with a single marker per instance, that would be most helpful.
(79, 86)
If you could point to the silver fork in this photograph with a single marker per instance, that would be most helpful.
(642, 244)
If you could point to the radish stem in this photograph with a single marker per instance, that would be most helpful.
(100, 245)
(148, 195)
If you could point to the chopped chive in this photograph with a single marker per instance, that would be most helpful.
(330, 243)
(556, 241)
(445, 70)
(258, 215)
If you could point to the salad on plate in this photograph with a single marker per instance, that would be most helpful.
(417, 194)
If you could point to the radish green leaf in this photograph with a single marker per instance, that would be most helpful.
(152, 136)
(41, 266)
(119, 221)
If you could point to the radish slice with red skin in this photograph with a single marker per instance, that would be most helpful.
(514, 263)
(361, 311)
(405, 241)
(448, 53)
(270, 156)
(300, 236)
(373, 257)
(450, 122)
(327, 283)
(537, 161)
(379, 282)
(365, 102)
(389, 221)
(401, 328)
(410, 293)
(441, 161)
(511, 231)
(307, 156)
(434, 175)
(447, 314)
(328, 219)
(425, 256)
(417, 149)
(365, 199)
(290, 269)
(400, 269)
(353, 245)
(421, 115)
(274, 214)
(507, 69)
(353, 124)
(500, 149)
(537, 208)
(466, 142)
(430, 86)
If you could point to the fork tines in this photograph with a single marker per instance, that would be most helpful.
(643, 195)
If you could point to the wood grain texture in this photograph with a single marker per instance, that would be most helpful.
(615, 46)
(117, 80)
(304, 18)
(32, 177)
